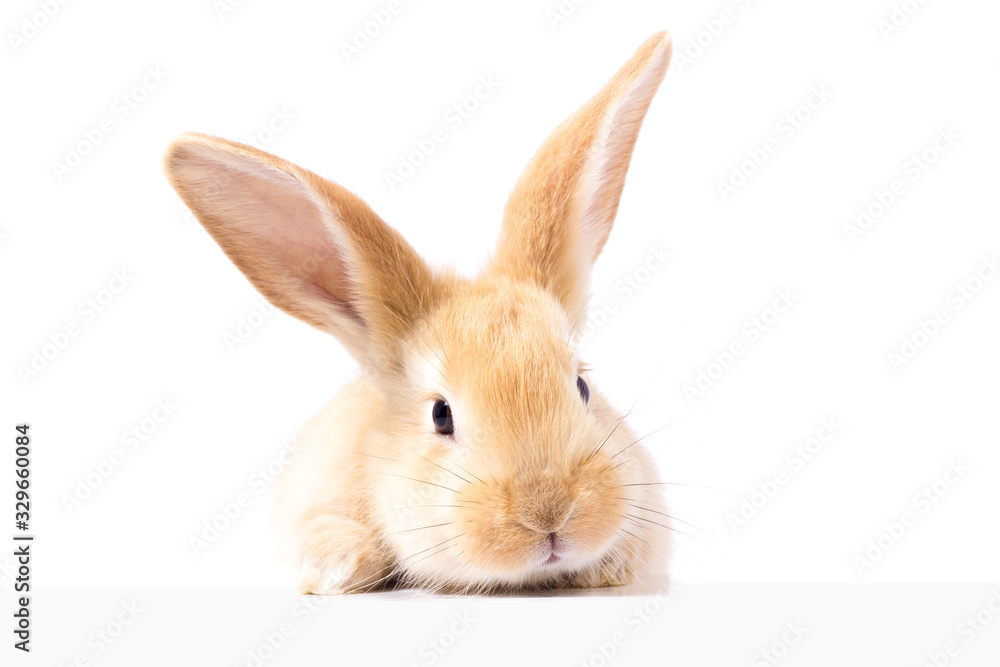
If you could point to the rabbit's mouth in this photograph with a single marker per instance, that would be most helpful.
(556, 550)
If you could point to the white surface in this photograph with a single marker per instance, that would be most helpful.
(163, 336)
(811, 625)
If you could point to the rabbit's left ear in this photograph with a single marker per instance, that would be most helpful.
(561, 211)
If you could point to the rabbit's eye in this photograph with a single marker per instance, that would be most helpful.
(581, 384)
(441, 414)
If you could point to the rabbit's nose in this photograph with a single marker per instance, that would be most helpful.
(543, 503)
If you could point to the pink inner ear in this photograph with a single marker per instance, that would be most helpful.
(274, 229)
(601, 185)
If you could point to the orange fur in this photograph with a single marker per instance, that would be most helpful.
(373, 494)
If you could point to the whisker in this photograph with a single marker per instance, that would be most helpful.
(700, 486)
(638, 440)
(435, 553)
(475, 502)
(433, 380)
(670, 528)
(436, 525)
(673, 543)
(615, 466)
(608, 437)
(648, 542)
(412, 479)
(638, 537)
(631, 411)
(455, 537)
(466, 471)
(456, 500)
(439, 466)
(669, 516)
(370, 585)
(379, 457)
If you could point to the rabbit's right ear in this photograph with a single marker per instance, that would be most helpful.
(561, 210)
(311, 247)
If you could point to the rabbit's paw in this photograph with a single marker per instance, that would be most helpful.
(342, 556)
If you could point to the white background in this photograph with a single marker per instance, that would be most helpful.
(889, 92)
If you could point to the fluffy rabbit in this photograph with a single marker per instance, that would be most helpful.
(472, 453)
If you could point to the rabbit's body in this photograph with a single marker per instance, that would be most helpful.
(472, 453)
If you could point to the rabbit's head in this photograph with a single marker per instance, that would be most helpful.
(491, 458)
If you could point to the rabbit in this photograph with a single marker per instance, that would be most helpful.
(473, 453)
